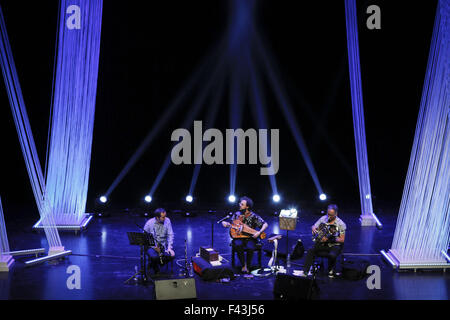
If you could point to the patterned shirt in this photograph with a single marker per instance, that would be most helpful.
(340, 226)
(161, 232)
(254, 221)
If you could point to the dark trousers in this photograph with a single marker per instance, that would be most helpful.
(240, 245)
(322, 249)
(154, 260)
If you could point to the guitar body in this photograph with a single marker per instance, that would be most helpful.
(239, 230)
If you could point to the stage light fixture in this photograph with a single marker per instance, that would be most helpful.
(148, 199)
(388, 258)
(47, 258)
(231, 198)
(446, 256)
(276, 198)
(103, 199)
(379, 224)
(323, 197)
(189, 198)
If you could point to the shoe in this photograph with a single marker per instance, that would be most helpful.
(302, 273)
(332, 274)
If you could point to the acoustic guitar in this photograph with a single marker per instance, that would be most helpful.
(238, 229)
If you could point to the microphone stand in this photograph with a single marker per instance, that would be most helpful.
(212, 228)
(212, 234)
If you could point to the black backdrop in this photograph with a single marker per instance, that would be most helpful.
(148, 51)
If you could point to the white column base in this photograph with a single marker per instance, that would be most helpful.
(55, 250)
(367, 220)
(6, 261)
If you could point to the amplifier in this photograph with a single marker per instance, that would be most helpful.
(209, 254)
(290, 287)
(174, 289)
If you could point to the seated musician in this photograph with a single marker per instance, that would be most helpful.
(253, 221)
(160, 228)
(331, 246)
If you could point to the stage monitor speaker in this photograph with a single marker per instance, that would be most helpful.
(175, 289)
(289, 287)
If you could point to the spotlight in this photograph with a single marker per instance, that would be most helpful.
(323, 197)
(231, 198)
(148, 199)
(189, 198)
(276, 198)
(103, 199)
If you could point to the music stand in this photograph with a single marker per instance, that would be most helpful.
(288, 221)
(144, 240)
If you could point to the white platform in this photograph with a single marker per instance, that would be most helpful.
(6, 261)
(396, 263)
(55, 250)
(82, 226)
(367, 221)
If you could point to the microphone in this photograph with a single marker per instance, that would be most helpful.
(225, 218)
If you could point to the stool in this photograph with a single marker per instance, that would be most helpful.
(167, 264)
(258, 250)
(322, 257)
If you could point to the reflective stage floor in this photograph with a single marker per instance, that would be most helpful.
(106, 260)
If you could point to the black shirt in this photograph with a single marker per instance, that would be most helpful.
(253, 220)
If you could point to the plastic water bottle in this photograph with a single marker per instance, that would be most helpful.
(191, 270)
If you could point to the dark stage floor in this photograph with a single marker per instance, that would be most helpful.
(106, 260)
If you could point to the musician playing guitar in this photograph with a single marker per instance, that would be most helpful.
(160, 228)
(331, 245)
(247, 221)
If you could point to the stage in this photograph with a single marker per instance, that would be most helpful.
(112, 111)
(106, 260)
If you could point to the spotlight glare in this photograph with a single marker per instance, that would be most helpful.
(231, 198)
(148, 199)
(103, 199)
(189, 198)
(276, 198)
(323, 197)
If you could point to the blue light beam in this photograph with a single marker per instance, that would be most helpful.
(287, 112)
